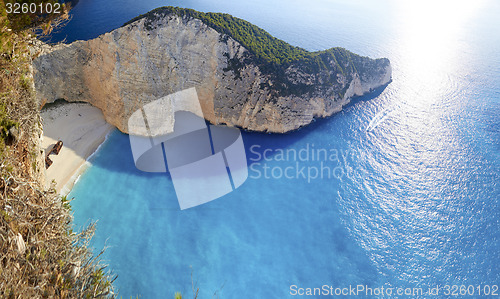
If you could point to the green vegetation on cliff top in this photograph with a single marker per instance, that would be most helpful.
(250, 36)
(267, 49)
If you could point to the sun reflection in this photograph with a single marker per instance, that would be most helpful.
(429, 60)
(429, 70)
(418, 127)
(430, 31)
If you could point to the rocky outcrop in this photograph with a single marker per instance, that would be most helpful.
(122, 70)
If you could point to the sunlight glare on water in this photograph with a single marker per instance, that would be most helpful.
(417, 206)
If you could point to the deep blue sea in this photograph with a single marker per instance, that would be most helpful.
(407, 197)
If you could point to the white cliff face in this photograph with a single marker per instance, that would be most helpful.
(121, 71)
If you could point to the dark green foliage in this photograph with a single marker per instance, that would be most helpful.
(272, 55)
(5, 125)
(235, 65)
(255, 39)
(265, 47)
(22, 21)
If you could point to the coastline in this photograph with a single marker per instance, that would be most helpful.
(82, 129)
(68, 186)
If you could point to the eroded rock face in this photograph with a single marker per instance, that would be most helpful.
(121, 71)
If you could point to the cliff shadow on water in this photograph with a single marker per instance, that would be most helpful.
(283, 89)
(271, 141)
(118, 141)
(275, 141)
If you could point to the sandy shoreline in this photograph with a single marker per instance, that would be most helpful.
(82, 129)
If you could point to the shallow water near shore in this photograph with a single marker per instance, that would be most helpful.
(398, 190)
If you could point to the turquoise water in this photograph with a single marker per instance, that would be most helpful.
(409, 195)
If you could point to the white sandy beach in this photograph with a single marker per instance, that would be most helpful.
(82, 129)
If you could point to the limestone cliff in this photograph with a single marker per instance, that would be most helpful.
(165, 52)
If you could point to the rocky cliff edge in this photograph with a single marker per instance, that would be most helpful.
(166, 51)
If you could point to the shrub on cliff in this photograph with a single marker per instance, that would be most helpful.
(267, 49)
(37, 13)
(40, 256)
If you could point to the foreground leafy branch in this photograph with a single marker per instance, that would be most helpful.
(40, 255)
